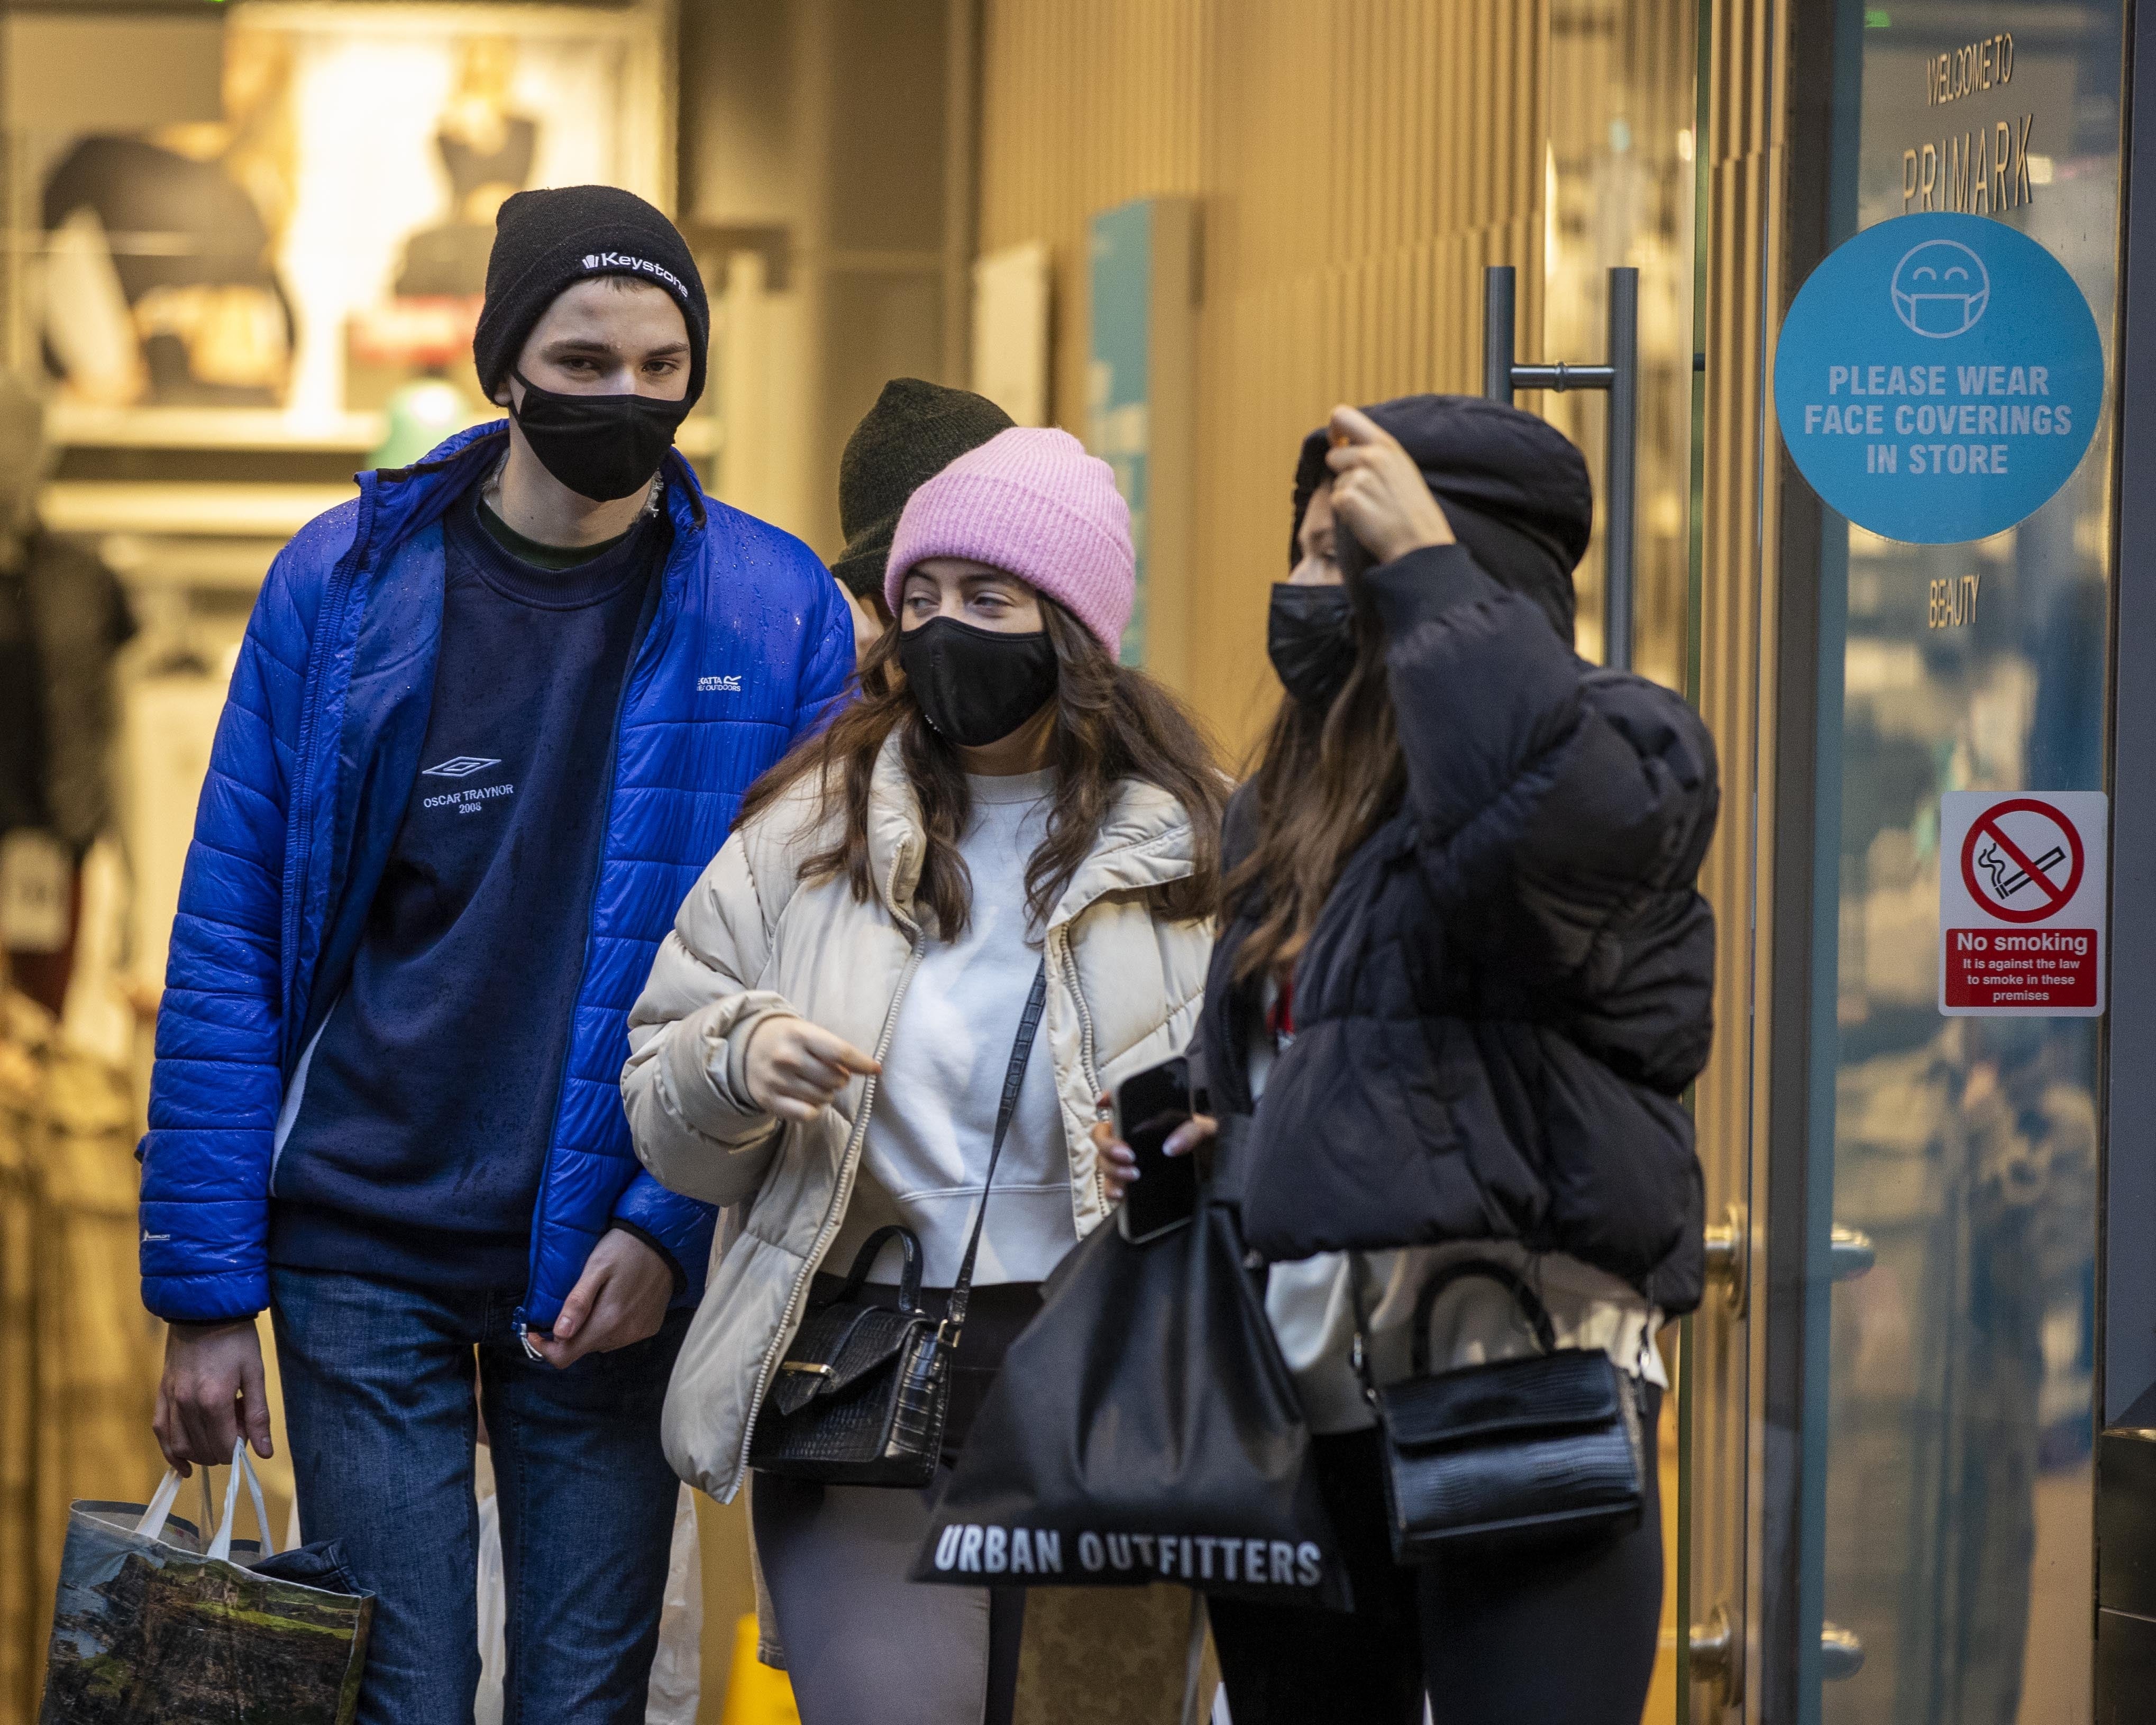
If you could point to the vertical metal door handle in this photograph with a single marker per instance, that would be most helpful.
(1618, 374)
(1497, 339)
(1621, 485)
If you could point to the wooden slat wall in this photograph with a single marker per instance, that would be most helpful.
(1359, 163)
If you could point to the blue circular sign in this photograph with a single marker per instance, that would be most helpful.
(1938, 378)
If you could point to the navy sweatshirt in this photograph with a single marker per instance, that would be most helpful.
(425, 1103)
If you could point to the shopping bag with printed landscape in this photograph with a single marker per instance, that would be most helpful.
(152, 1622)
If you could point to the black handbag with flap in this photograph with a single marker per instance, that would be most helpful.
(1514, 1451)
(861, 1397)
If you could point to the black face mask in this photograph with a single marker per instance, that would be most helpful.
(976, 686)
(602, 447)
(1310, 637)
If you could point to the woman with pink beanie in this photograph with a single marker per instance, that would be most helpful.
(1006, 829)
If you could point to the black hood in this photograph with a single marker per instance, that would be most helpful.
(1513, 486)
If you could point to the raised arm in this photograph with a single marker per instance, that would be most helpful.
(1562, 810)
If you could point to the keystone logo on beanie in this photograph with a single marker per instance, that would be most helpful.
(1029, 501)
(547, 241)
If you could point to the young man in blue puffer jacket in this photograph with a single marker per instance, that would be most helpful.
(489, 722)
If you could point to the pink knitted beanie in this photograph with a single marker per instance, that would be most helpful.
(1029, 501)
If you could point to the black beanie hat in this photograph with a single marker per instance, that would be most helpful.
(1513, 486)
(546, 241)
(915, 430)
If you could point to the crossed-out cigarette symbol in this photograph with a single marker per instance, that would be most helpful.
(2004, 879)
(2007, 885)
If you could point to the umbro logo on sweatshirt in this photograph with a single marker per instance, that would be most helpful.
(469, 800)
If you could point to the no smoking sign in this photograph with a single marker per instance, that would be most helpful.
(2021, 903)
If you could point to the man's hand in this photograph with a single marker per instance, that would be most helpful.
(795, 1068)
(1379, 493)
(211, 1392)
(621, 1297)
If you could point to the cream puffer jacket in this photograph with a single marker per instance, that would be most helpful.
(752, 940)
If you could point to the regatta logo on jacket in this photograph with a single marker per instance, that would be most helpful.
(719, 686)
(969, 1546)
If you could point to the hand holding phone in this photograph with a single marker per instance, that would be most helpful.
(1149, 1107)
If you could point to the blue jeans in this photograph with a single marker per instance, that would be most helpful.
(378, 1405)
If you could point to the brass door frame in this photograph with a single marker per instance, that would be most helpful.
(1767, 73)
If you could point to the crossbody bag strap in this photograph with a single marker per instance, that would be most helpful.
(954, 1319)
(1358, 1352)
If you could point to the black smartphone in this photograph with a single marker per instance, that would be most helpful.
(1149, 1105)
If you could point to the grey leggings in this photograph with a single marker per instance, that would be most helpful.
(862, 1642)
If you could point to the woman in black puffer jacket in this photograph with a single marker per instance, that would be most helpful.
(1462, 983)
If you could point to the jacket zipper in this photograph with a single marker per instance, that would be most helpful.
(329, 624)
(1067, 962)
(518, 1323)
(849, 1166)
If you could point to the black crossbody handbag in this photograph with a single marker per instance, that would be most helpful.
(1514, 1451)
(862, 1395)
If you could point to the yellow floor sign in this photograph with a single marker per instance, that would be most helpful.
(755, 1694)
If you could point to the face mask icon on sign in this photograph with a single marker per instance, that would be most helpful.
(1941, 288)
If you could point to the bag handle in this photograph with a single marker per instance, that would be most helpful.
(220, 1548)
(162, 1502)
(909, 1275)
(1523, 1296)
(954, 1317)
(159, 1509)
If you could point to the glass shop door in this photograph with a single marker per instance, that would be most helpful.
(1930, 1352)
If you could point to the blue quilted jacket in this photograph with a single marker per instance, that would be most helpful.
(314, 758)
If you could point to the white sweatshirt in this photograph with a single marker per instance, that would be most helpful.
(934, 1116)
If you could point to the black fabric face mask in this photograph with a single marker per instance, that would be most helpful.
(1310, 637)
(976, 685)
(602, 447)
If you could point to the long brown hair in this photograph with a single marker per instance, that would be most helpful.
(1325, 781)
(1111, 724)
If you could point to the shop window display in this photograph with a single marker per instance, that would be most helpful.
(226, 316)
(324, 240)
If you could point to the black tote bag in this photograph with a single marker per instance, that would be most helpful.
(1143, 1427)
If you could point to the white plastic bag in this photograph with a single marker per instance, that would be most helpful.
(677, 1668)
(493, 1615)
(676, 1673)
